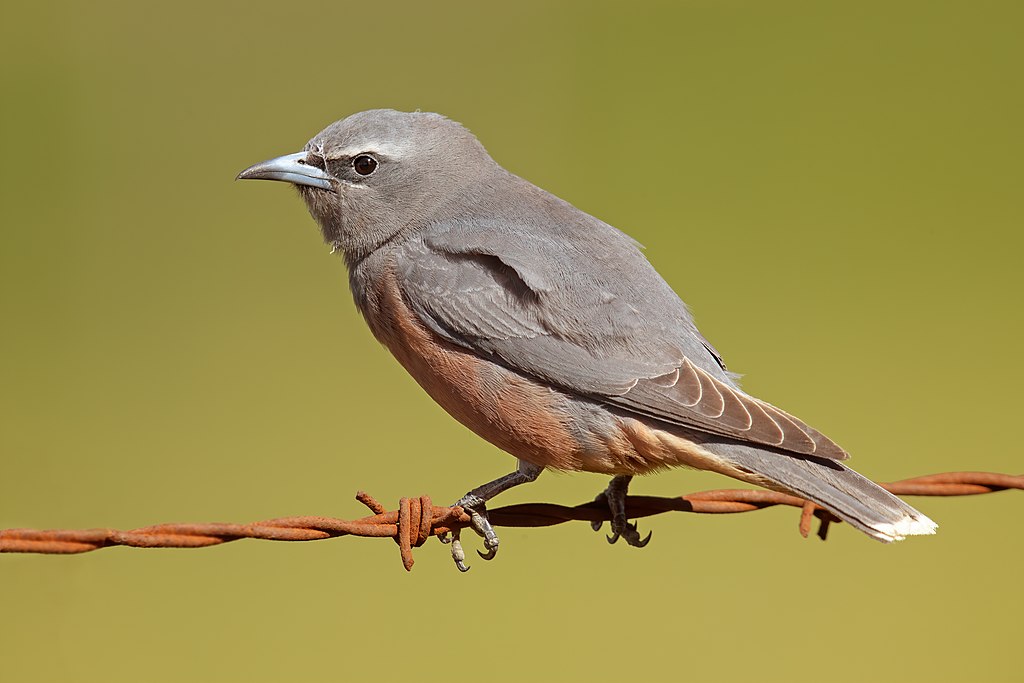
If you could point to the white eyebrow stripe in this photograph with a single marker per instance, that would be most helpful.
(388, 149)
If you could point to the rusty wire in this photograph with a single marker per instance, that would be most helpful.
(417, 519)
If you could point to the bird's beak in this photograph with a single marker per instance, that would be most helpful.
(291, 168)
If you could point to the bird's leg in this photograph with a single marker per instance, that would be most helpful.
(615, 497)
(475, 505)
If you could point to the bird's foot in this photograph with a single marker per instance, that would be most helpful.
(477, 511)
(615, 498)
(628, 532)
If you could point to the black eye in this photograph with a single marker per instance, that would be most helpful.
(364, 164)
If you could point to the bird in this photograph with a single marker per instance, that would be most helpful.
(545, 330)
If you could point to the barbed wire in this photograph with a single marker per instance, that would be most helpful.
(417, 519)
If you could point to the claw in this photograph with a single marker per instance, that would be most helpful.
(490, 543)
(444, 538)
(596, 525)
(458, 554)
(481, 525)
(615, 498)
(632, 536)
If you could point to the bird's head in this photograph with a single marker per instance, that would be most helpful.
(378, 173)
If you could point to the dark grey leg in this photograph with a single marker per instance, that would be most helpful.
(615, 497)
(475, 505)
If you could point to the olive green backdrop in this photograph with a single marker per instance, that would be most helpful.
(835, 188)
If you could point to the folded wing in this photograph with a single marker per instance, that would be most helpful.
(585, 312)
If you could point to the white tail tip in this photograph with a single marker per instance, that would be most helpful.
(918, 525)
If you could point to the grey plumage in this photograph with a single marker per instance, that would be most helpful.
(516, 277)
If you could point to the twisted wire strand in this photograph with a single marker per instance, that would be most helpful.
(417, 519)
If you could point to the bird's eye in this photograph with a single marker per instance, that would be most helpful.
(364, 164)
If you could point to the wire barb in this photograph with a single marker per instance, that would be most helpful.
(417, 519)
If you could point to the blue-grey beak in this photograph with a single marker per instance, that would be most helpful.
(291, 168)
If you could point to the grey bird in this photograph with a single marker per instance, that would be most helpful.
(545, 330)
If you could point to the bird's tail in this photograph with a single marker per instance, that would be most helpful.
(835, 487)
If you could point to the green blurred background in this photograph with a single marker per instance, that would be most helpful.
(835, 188)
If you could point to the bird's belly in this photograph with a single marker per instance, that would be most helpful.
(512, 412)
